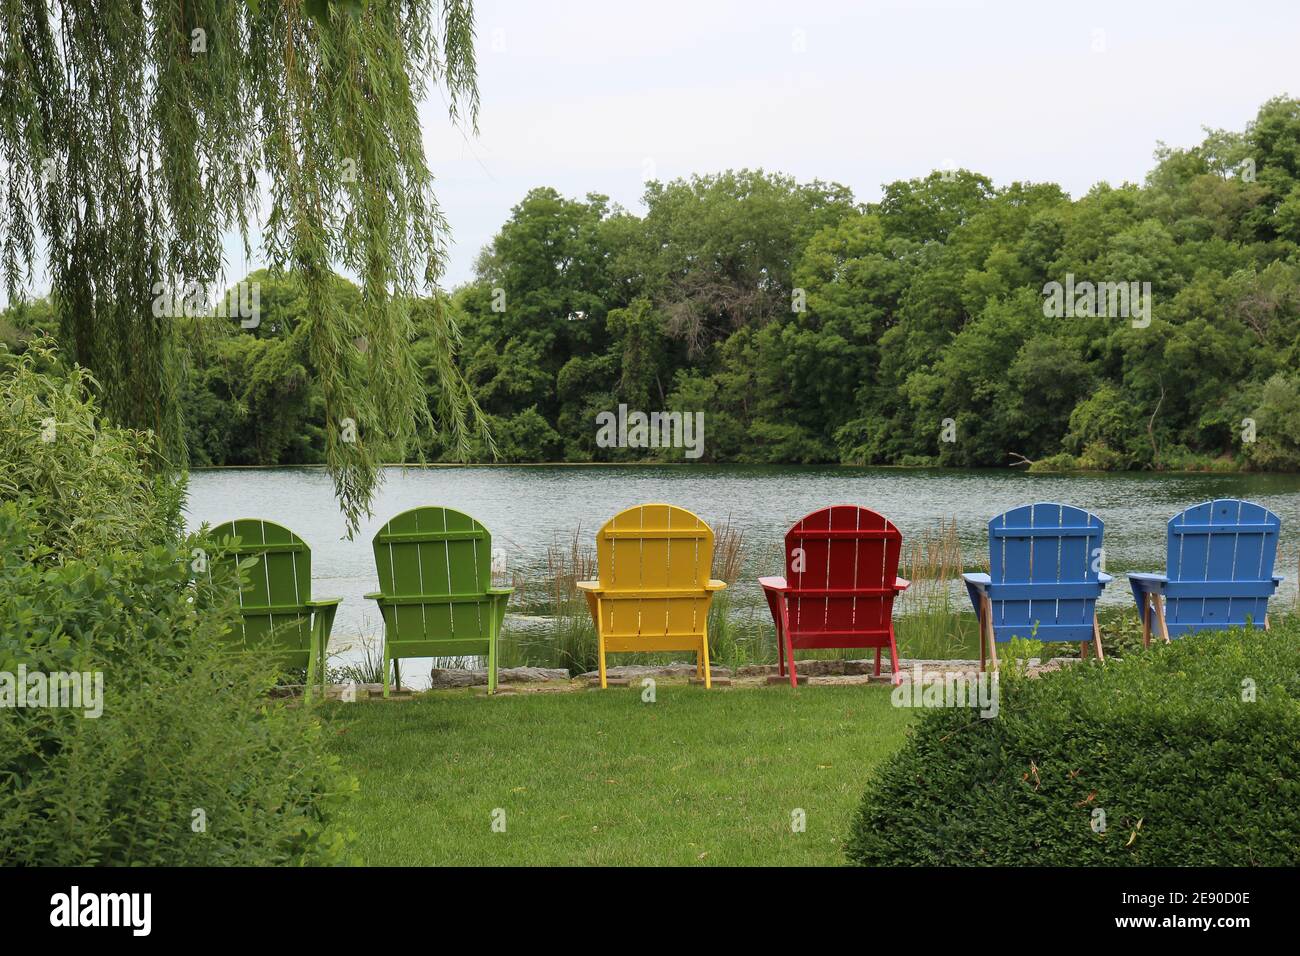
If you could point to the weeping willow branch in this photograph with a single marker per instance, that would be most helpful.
(135, 135)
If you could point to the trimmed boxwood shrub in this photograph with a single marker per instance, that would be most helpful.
(1188, 753)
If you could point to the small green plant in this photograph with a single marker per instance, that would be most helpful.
(1017, 654)
(368, 670)
(1121, 633)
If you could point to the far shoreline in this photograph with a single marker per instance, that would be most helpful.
(1014, 470)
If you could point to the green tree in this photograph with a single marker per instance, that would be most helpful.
(1277, 426)
(134, 135)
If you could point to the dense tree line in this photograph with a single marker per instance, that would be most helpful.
(809, 327)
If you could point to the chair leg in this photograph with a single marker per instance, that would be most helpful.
(600, 650)
(1096, 638)
(789, 644)
(878, 654)
(492, 662)
(702, 658)
(311, 670)
(386, 664)
(1266, 627)
(893, 657)
(397, 674)
(780, 652)
(979, 620)
(988, 630)
(1160, 616)
(1146, 620)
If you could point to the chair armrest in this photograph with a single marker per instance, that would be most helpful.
(775, 583)
(1278, 578)
(323, 611)
(498, 591)
(901, 584)
(587, 586)
(374, 595)
(714, 585)
(977, 588)
(1147, 583)
(1104, 579)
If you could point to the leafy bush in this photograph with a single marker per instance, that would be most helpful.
(1121, 633)
(1187, 755)
(88, 486)
(189, 762)
(1062, 461)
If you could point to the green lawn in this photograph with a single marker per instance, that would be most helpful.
(699, 777)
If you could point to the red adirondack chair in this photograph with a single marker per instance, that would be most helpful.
(842, 566)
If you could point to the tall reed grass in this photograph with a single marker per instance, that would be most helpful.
(571, 638)
(731, 644)
(929, 620)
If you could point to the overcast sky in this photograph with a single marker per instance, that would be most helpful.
(599, 95)
(596, 95)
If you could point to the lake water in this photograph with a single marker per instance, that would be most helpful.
(528, 507)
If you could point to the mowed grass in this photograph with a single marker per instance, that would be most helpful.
(696, 778)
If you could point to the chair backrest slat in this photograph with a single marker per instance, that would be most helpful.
(1219, 565)
(841, 563)
(1043, 565)
(273, 601)
(431, 560)
(654, 561)
(656, 547)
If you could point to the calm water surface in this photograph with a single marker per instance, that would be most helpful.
(528, 507)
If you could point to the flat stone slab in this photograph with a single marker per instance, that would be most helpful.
(653, 670)
(774, 680)
(814, 668)
(441, 678)
(717, 681)
(610, 682)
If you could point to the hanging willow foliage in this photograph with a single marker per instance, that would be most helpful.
(135, 134)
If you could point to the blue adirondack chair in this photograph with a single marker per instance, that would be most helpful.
(1044, 578)
(1219, 570)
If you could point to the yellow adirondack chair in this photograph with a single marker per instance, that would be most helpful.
(654, 588)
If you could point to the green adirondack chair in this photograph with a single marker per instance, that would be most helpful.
(435, 589)
(277, 612)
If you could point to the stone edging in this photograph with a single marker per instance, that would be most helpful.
(819, 671)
